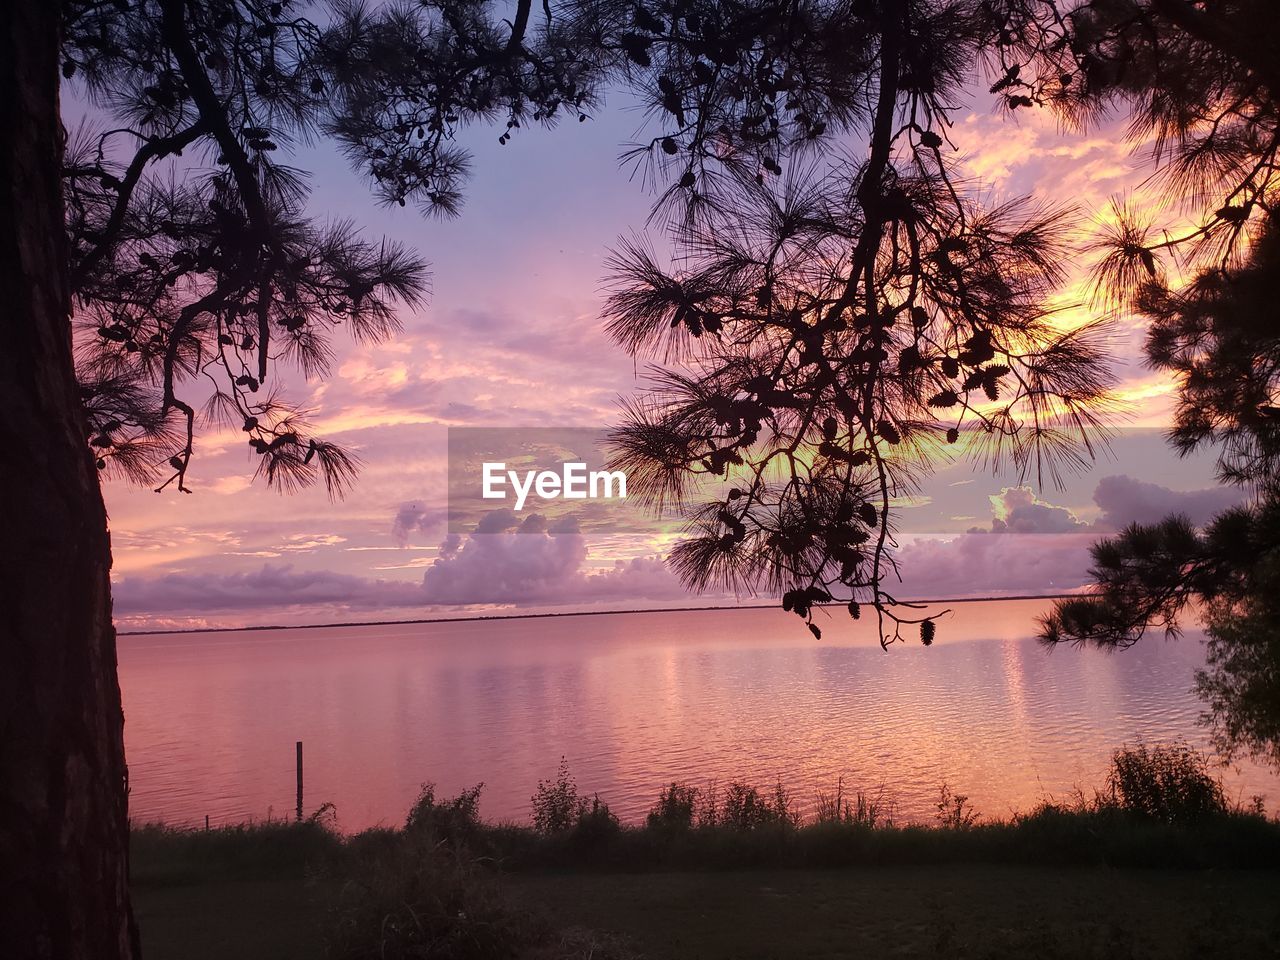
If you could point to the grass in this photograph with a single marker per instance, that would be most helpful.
(1156, 864)
(169, 856)
(958, 910)
(963, 910)
(251, 890)
(215, 918)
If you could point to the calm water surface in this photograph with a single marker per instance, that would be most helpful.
(633, 702)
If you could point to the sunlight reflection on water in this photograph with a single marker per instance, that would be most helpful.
(634, 702)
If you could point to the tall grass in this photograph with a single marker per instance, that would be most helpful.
(863, 810)
(164, 854)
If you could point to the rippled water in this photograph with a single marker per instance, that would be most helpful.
(635, 701)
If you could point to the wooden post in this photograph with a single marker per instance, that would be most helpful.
(299, 779)
(206, 822)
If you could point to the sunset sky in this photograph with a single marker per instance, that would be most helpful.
(511, 336)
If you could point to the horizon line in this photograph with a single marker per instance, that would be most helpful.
(571, 613)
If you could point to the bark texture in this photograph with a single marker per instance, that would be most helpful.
(63, 821)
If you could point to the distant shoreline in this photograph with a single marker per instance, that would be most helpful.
(538, 616)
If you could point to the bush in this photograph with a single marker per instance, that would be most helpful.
(596, 826)
(452, 820)
(674, 809)
(955, 812)
(558, 809)
(746, 808)
(556, 804)
(1170, 783)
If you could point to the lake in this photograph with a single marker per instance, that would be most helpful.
(635, 701)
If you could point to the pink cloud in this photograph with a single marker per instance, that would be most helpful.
(1126, 500)
(504, 563)
(1030, 546)
(1019, 510)
(978, 564)
(272, 586)
(528, 562)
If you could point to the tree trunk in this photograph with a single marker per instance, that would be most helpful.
(63, 822)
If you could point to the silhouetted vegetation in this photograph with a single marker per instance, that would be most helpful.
(874, 310)
(441, 885)
(164, 854)
(1202, 86)
(452, 821)
(1159, 805)
(556, 804)
(834, 329)
(955, 812)
(221, 277)
(674, 808)
(863, 810)
(828, 337)
(1167, 783)
(1218, 338)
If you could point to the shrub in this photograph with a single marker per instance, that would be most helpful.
(675, 808)
(745, 808)
(453, 820)
(955, 812)
(556, 804)
(1168, 782)
(595, 826)
(706, 811)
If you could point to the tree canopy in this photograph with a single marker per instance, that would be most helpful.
(182, 274)
(1202, 82)
(839, 307)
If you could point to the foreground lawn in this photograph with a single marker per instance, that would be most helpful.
(942, 911)
(221, 919)
(969, 911)
(239, 892)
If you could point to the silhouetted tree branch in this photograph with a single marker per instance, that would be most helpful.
(1203, 79)
(836, 329)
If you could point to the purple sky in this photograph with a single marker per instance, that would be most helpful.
(511, 337)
